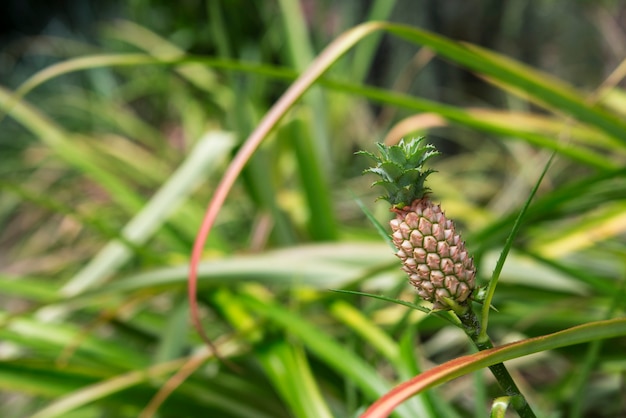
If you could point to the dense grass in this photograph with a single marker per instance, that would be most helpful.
(111, 151)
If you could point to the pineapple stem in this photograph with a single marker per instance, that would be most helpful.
(471, 325)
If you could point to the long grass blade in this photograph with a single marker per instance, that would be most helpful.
(493, 282)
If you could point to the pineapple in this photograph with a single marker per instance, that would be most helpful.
(432, 252)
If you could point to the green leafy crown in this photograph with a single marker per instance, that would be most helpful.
(401, 170)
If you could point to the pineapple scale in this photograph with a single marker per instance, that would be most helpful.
(432, 253)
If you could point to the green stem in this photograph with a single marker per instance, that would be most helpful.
(471, 326)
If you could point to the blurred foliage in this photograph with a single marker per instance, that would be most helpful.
(105, 173)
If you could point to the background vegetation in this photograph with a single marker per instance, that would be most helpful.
(127, 115)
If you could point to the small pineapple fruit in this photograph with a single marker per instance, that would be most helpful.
(431, 250)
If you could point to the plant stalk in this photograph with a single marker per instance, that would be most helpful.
(471, 326)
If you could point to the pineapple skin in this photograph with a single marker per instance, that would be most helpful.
(433, 254)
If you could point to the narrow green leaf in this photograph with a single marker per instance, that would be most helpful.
(289, 370)
(377, 225)
(331, 352)
(491, 287)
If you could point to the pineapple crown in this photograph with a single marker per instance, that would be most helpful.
(401, 170)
